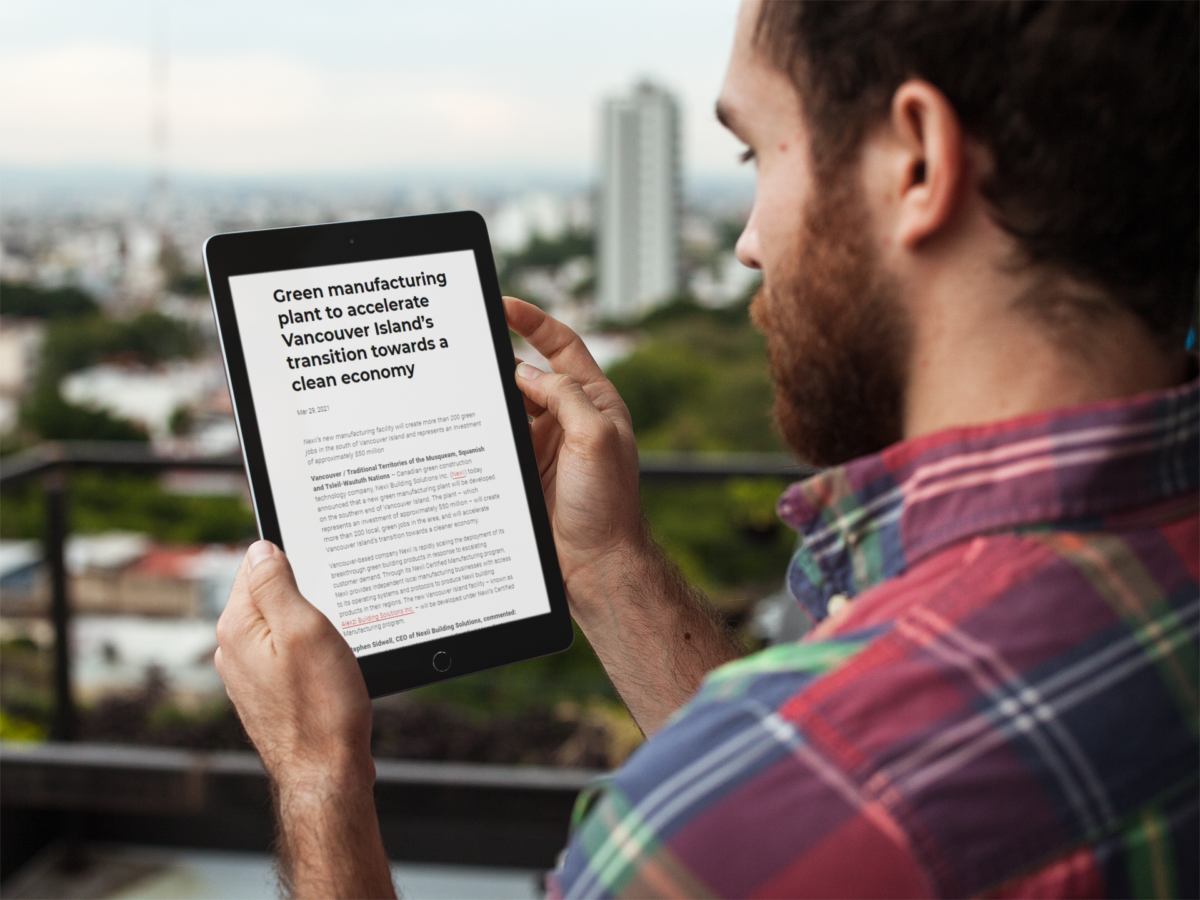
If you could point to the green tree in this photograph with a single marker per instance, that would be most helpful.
(180, 422)
(698, 381)
(101, 501)
(27, 301)
(76, 342)
(180, 278)
(52, 418)
(547, 253)
(138, 503)
(551, 252)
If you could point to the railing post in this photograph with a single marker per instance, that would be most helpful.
(63, 727)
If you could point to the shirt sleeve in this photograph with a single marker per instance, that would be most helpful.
(730, 800)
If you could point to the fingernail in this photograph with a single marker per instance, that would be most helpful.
(528, 372)
(259, 551)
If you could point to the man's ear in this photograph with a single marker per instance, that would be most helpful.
(934, 171)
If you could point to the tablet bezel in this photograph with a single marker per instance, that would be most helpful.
(311, 246)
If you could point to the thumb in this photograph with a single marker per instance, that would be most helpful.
(271, 582)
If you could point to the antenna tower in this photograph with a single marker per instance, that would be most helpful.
(160, 59)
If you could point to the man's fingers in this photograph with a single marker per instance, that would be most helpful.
(531, 408)
(563, 397)
(547, 436)
(562, 347)
(522, 317)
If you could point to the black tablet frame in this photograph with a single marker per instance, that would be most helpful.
(310, 246)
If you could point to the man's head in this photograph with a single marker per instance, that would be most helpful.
(1045, 153)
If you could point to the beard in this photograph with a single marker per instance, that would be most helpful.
(837, 336)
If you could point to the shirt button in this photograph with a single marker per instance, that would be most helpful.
(837, 603)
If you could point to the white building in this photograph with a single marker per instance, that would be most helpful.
(515, 221)
(145, 396)
(20, 351)
(640, 203)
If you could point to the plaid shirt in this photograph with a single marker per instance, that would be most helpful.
(1007, 706)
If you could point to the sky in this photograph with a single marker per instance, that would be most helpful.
(353, 87)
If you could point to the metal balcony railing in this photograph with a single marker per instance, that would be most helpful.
(429, 811)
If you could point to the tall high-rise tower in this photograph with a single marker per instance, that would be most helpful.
(640, 199)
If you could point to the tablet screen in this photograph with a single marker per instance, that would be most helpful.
(389, 447)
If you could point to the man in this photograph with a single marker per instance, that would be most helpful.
(978, 229)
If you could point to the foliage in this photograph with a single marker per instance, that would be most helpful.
(190, 284)
(699, 382)
(76, 342)
(574, 675)
(543, 252)
(149, 338)
(15, 729)
(584, 288)
(138, 503)
(728, 232)
(725, 537)
(684, 308)
(582, 731)
(591, 725)
(533, 735)
(181, 421)
(27, 301)
(104, 501)
(547, 253)
(54, 419)
(150, 716)
(180, 278)
(25, 678)
(22, 513)
(658, 380)
(12, 442)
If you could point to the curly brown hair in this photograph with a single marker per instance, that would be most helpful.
(1090, 110)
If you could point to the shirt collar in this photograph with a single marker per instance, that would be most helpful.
(873, 518)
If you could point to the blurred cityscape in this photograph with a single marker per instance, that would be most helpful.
(106, 333)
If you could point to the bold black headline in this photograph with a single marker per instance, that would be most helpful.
(381, 324)
(361, 287)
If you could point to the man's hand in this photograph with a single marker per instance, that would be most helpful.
(585, 446)
(656, 638)
(293, 678)
(303, 702)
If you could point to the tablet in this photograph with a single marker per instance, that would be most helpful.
(386, 443)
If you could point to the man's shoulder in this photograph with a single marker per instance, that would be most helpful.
(962, 724)
(711, 805)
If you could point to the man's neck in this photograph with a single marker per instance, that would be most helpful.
(978, 362)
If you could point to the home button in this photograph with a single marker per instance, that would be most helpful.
(441, 661)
